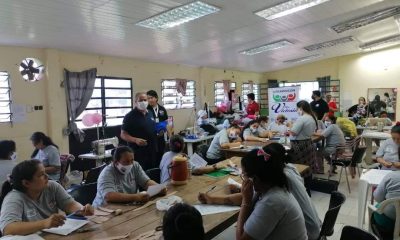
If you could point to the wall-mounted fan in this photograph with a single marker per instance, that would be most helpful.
(31, 69)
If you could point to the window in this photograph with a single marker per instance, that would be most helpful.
(112, 97)
(246, 90)
(219, 95)
(306, 88)
(171, 99)
(5, 97)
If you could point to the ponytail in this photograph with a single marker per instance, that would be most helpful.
(5, 189)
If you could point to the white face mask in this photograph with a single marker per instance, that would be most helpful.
(124, 169)
(142, 105)
(300, 112)
(13, 156)
(253, 130)
(327, 123)
(233, 135)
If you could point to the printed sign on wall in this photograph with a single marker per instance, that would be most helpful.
(283, 101)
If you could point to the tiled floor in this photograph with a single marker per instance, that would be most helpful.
(347, 214)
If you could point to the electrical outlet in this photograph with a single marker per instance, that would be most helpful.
(36, 108)
(40, 107)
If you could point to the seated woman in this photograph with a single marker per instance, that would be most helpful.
(47, 152)
(7, 158)
(278, 127)
(176, 145)
(384, 115)
(334, 138)
(388, 153)
(251, 132)
(182, 222)
(296, 187)
(120, 180)
(34, 202)
(226, 138)
(388, 188)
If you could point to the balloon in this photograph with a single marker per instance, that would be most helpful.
(87, 120)
(96, 118)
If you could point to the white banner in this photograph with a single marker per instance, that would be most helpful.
(283, 101)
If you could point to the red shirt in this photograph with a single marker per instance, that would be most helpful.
(252, 108)
(332, 104)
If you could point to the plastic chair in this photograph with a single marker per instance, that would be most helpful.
(84, 193)
(344, 162)
(65, 160)
(154, 174)
(393, 202)
(352, 233)
(93, 174)
(336, 201)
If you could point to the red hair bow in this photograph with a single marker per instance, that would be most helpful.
(261, 152)
(397, 124)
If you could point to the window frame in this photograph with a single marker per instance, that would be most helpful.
(179, 98)
(103, 109)
(232, 87)
(256, 92)
(9, 100)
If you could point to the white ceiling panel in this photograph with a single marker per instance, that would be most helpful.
(108, 27)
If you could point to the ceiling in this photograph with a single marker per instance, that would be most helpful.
(107, 27)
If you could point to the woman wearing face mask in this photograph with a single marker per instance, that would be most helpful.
(333, 136)
(176, 146)
(226, 138)
(120, 180)
(251, 132)
(32, 202)
(389, 151)
(7, 158)
(278, 127)
(138, 130)
(306, 124)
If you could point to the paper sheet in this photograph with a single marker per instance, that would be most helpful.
(374, 176)
(155, 189)
(198, 161)
(28, 237)
(69, 226)
(233, 182)
(206, 209)
(98, 212)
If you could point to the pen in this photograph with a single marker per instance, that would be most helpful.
(209, 190)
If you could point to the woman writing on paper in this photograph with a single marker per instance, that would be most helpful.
(119, 182)
(176, 145)
(389, 151)
(32, 202)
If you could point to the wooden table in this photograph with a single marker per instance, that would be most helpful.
(146, 219)
(247, 147)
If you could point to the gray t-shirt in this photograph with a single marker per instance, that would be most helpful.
(304, 127)
(389, 151)
(6, 167)
(276, 216)
(111, 180)
(296, 187)
(388, 188)
(17, 206)
(247, 133)
(164, 166)
(334, 136)
(50, 156)
(214, 151)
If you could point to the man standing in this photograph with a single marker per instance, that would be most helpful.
(160, 117)
(138, 130)
(252, 107)
(332, 105)
(318, 105)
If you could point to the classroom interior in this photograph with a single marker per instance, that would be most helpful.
(103, 34)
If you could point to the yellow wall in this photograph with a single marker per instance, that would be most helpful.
(357, 73)
(145, 75)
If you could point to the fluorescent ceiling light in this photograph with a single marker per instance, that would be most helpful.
(179, 15)
(366, 19)
(381, 43)
(303, 59)
(267, 47)
(397, 19)
(287, 8)
(328, 44)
